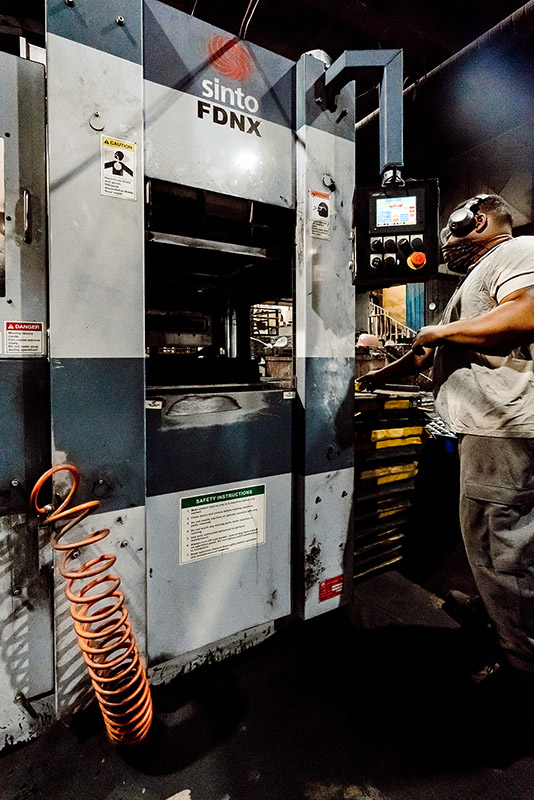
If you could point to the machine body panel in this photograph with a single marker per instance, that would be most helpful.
(96, 239)
(96, 295)
(220, 437)
(209, 597)
(116, 30)
(23, 240)
(198, 293)
(325, 343)
(127, 540)
(26, 619)
(210, 122)
(219, 151)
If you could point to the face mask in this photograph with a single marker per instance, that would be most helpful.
(461, 255)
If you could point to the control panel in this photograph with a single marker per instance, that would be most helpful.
(396, 230)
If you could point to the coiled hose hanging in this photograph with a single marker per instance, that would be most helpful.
(100, 621)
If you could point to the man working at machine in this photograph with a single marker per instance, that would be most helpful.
(484, 388)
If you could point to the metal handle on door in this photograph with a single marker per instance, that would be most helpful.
(27, 216)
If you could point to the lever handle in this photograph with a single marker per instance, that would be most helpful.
(27, 216)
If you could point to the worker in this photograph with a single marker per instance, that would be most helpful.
(483, 374)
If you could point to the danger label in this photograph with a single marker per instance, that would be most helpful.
(24, 338)
(118, 168)
(331, 587)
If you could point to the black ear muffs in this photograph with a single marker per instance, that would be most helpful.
(463, 220)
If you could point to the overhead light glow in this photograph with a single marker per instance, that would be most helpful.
(247, 160)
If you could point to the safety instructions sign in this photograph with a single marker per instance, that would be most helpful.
(320, 214)
(24, 338)
(118, 168)
(222, 522)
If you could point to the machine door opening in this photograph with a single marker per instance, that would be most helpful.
(219, 289)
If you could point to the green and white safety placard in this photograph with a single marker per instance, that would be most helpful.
(222, 522)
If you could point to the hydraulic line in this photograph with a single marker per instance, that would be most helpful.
(249, 13)
(100, 620)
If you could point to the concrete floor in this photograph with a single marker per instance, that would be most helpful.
(373, 702)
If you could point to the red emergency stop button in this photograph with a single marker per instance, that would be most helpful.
(416, 260)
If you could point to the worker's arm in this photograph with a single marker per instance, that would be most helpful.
(508, 325)
(410, 363)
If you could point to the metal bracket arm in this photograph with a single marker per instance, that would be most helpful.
(387, 66)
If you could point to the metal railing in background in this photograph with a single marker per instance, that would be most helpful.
(386, 327)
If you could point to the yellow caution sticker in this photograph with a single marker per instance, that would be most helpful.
(118, 168)
(108, 142)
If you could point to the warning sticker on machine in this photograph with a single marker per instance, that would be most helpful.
(320, 214)
(118, 168)
(213, 524)
(24, 338)
(331, 588)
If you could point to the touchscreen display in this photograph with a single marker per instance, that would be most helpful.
(392, 211)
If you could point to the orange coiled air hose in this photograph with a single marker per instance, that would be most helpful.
(100, 621)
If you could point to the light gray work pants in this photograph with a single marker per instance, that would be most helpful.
(497, 522)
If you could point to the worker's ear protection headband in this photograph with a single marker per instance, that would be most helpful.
(463, 220)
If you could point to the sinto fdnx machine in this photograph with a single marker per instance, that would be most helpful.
(177, 323)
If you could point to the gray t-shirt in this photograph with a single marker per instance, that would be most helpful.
(488, 395)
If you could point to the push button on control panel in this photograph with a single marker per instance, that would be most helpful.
(416, 260)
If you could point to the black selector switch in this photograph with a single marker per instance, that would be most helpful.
(377, 246)
(417, 243)
(405, 247)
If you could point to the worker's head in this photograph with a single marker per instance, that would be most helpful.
(480, 217)
(472, 229)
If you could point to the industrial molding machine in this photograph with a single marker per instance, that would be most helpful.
(177, 268)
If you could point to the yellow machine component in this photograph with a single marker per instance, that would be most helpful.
(384, 508)
(374, 567)
(389, 434)
(395, 433)
(391, 512)
(374, 401)
(401, 476)
(384, 472)
(408, 441)
(396, 472)
(390, 538)
(398, 442)
(409, 403)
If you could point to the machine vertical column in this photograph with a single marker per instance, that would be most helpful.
(95, 118)
(325, 320)
(26, 650)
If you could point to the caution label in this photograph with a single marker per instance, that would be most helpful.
(213, 524)
(24, 338)
(320, 214)
(118, 168)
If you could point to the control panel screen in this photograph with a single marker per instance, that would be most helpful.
(391, 211)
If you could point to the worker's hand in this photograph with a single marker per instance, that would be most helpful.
(429, 336)
(369, 381)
